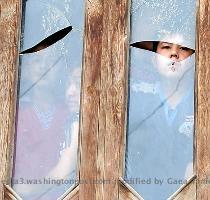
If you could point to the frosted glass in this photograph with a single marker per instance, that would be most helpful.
(159, 150)
(45, 163)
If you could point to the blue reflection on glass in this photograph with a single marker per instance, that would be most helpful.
(45, 160)
(159, 154)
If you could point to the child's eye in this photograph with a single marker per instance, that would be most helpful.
(184, 48)
(166, 47)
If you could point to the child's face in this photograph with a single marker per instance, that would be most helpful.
(173, 51)
(171, 59)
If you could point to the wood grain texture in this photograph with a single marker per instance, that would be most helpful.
(126, 192)
(203, 101)
(10, 194)
(103, 98)
(187, 192)
(73, 195)
(9, 37)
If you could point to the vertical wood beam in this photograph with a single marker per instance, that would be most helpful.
(10, 12)
(103, 98)
(203, 101)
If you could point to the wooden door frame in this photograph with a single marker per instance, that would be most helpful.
(203, 101)
(104, 100)
(10, 17)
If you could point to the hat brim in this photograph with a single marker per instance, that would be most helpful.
(50, 40)
(146, 45)
(149, 45)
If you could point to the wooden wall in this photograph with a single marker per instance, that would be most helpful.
(104, 99)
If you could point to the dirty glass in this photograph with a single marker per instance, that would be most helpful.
(45, 161)
(160, 127)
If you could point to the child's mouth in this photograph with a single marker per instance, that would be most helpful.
(173, 66)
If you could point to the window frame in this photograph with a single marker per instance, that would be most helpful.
(103, 100)
(10, 17)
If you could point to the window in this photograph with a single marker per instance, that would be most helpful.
(47, 125)
(159, 152)
(104, 96)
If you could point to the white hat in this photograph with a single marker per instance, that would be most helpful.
(42, 19)
(163, 20)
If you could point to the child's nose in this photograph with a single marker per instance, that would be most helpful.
(174, 54)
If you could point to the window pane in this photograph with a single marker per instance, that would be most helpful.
(49, 101)
(159, 154)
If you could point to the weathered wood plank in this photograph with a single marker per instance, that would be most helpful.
(126, 192)
(10, 194)
(10, 12)
(113, 92)
(103, 98)
(186, 192)
(203, 101)
(73, 195)
(90, 98)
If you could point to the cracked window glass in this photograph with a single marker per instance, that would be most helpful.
(160, 130)
(45, 160)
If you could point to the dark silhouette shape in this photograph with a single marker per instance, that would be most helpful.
(50, 40)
